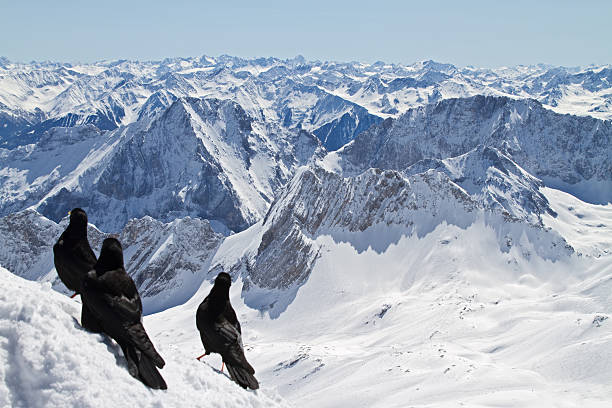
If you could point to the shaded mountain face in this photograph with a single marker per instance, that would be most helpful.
(568, 152)
(202, 157)
(166, 260)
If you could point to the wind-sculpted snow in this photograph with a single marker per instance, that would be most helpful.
(567, 152)
(48, 360)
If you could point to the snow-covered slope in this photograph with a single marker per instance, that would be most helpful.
(436, 310)
(458, 315)
(48, 360)
(457, 281)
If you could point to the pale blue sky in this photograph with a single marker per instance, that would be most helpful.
(480, 33)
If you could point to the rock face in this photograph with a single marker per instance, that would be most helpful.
(201, 158)
(375, 209)
(561, 149)
(494, 180)
(318, 202)
(27, 238)
(27, 242)
(167, 261)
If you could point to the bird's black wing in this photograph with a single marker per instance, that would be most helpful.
(114, 299)
(230, 314)
(201, 314)
(218, 333)
(232, 352)
(119, 293)
(109, 303)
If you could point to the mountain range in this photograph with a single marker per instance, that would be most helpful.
(334, 100)
(444, 229)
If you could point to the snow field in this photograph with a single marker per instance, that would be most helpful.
(443, 320)
(50, 361)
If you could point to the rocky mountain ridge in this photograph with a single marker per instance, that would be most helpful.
(202, 157)
(37, 96)
(567, 152)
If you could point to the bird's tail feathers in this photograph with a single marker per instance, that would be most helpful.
(139, 336)
(243, 376)
(142, 367)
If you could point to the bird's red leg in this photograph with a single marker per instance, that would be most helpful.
(198, 358)
(222, 365)
(72, 297)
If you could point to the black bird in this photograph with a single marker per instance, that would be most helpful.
(220, 332)
(113, 298)
(73, 258)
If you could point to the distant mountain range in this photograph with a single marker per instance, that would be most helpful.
(335, 101)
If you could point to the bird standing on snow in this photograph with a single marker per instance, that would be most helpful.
(73, 258)
(113, 298)
(220, 332)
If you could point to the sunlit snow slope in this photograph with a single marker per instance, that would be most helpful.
(443, 320)
(48, 360)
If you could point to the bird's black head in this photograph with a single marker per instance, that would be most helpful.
(78, 222)
(111, 256)
(223, 279)
(220, 289)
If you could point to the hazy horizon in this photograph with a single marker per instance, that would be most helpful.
(478, 33)
(144, 60)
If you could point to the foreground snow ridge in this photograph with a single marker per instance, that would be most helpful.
(48, 360)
